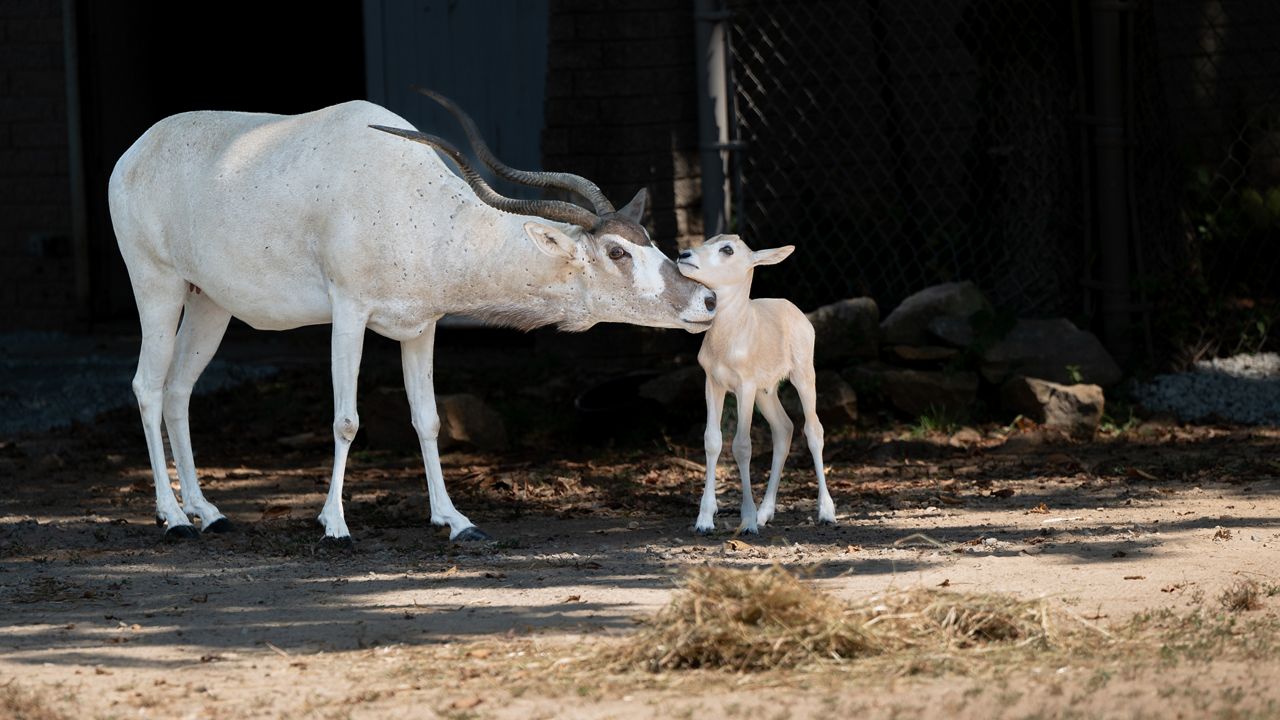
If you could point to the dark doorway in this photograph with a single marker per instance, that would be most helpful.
(143, 60)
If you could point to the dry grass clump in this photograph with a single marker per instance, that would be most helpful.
(746, 620)
(1241, 595)
(21, 704)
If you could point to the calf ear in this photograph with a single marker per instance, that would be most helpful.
(551, 241)
(634, 210)
(772, 256)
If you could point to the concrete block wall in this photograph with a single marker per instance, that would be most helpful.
(621, 106)
(36, 270)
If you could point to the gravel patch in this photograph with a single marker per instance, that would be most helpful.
(1242, 388)
(50, 380)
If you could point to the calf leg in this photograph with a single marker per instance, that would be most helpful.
(203, 324)
(804, 383)
(711, 441)
(780, 429)
(742, 454)
(417, 359)
(347, 344)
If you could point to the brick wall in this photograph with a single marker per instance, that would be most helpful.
(36, 271)
(621, 105)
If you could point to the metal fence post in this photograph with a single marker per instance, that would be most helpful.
(1110, 189)
(713, 125)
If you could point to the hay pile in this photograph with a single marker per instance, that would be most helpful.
(758, 619)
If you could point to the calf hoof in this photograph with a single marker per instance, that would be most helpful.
(181, 532)
(471, 535)
(748, 531)
(219, 526)
(346, 544)
(159, 521)
(703, 531)
(829, 522)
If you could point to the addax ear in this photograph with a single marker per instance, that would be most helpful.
(772, 256)
(551, 241)
(634, 210)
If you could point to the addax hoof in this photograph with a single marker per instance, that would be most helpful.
(221, 525)
(329, 542)
(828, 523)
(472, 534)
(704, 531)
(748, 531)
(181, 532)
(159, 521)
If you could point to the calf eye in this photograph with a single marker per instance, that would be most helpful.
(617, 253)
(727, 249)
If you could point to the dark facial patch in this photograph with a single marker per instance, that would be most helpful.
(678, 289)
(615, 224)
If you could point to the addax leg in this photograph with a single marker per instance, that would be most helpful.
(159, 299)
(780, 429)
(804, 383)
(347, 344)
(742, 454)
(711, 441)
(204, 323)
(417, 358)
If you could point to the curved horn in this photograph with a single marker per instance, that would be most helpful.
(549, 209)
(561, 180)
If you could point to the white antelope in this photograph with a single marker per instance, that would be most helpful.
(752, 346)
(284, 221)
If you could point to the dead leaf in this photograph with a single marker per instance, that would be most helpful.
(945, 583)
(950, 499)
(573, 599)
(1173, 587)
(852, 549)
(466, 703)
(736, 545)
(275, 512)
(1119, 554)
(1003, 493)
(1222, 534)
(1040, 509)
(479, 653)
(1136, 472)
(200, 598)
(495, 575)
(210, 658)
(1135, 577)
(453, 570)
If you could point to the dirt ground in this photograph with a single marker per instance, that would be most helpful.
(102, 618)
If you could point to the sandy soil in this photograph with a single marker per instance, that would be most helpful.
(102, 618)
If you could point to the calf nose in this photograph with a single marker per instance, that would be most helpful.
(686, 254)
(710, 302)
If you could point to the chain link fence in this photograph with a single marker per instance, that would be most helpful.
(902, 143)
(1206, 173)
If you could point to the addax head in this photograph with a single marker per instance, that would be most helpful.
(725, 261)
(621, 276)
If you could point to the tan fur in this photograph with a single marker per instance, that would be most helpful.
(751, 347)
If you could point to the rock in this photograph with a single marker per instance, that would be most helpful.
(385, 423)
(909, 322)
(954, 331)
(1076, 409)
(920, 392)
(922, 354)
(837, 403)
(845, 330)
(465, 418)
(1053, 350)
(680, 392)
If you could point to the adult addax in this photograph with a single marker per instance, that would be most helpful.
(284, 221)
